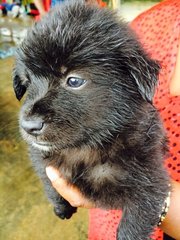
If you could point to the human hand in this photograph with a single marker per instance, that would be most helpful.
(69, 192)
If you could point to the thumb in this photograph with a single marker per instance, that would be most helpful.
(67, 191)
(57, 181)
(52, 174)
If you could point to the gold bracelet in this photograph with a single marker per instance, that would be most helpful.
(164, 209)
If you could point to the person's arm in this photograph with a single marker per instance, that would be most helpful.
(40, 6)
(175, 81)
(170, 225)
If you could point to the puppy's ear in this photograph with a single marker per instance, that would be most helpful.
(145, 73)
(19, 88)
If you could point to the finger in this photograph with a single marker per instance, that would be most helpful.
(67, 191)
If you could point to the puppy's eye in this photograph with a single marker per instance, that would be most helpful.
(75, 82)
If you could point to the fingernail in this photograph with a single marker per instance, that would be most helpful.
(52, 173)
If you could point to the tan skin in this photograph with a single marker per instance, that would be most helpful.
(174, 87)
(40, 6)
(171, 224)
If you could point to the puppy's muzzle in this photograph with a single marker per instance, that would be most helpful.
(33, 127)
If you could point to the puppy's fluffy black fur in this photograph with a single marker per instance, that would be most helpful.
(88, 111)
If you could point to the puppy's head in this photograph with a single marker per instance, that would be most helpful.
(85, 75)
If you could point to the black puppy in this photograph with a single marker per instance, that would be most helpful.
(88, 111)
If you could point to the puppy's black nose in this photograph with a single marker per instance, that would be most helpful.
(33, 127)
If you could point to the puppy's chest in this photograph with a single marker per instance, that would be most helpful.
(84, 165)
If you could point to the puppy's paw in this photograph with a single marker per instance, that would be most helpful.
(64, 212)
